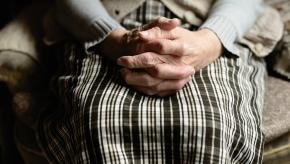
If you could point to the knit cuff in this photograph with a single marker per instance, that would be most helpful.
(101, 28)
(225, 31)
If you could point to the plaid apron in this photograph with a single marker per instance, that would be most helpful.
(215, 118)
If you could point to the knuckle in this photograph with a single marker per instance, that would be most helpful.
(185, 72)
(157, 31)
(183, 49)
(147, 81)
(160, 19)
(157, 18)
(162, 34)
(130, 62)
(155, 88)
(181, 75)
(155, 71)
(160, 47)
(147, 59)
(125, 61)
(170, 34)
(179, 85)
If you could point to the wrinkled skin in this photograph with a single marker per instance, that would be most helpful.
(167, 55)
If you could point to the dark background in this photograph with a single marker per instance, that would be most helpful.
(8, 152)
(10, 8)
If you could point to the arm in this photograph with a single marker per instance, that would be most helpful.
(231, 19)
(87, 20)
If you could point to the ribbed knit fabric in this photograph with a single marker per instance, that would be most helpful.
(86, 21)
(102, 29)
(228, 19)
(225, 31)
(242, 14)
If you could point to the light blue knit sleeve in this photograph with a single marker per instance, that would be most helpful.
(86, 20)
(230, 20)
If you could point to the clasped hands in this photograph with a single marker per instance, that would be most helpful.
(160, 58)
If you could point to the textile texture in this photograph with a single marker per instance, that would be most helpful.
(276, 111)
(215, 118)
(278, 151)
(280, 59)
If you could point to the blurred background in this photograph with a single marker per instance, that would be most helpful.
(9, 9)
(8, 152)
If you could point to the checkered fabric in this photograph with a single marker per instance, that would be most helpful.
(215, 118)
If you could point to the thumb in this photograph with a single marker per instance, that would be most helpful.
(156, 33)
(159, 29)
(163, 23)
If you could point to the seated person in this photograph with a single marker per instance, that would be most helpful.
(156, 89)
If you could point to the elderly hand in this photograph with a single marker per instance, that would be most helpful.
(123, 42)
(165, 64)
(197, 49)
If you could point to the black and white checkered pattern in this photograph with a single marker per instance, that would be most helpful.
(215, 118)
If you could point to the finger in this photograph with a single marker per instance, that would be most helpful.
(139, 78)
(164, 88)
(145, 90)
(171, 85)
(151, 92)
(166, 47)
(163, 23)
(144, 60)
(166, 93)
(156, 33)
(169, 71)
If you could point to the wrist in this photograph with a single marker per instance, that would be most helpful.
(116, 36)
(112, 45)
(212, 38)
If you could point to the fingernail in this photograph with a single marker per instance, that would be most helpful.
(176, 20)
(167, 20)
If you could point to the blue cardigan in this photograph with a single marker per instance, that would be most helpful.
(88, 20)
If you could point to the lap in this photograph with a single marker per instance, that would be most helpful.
(216, 116)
